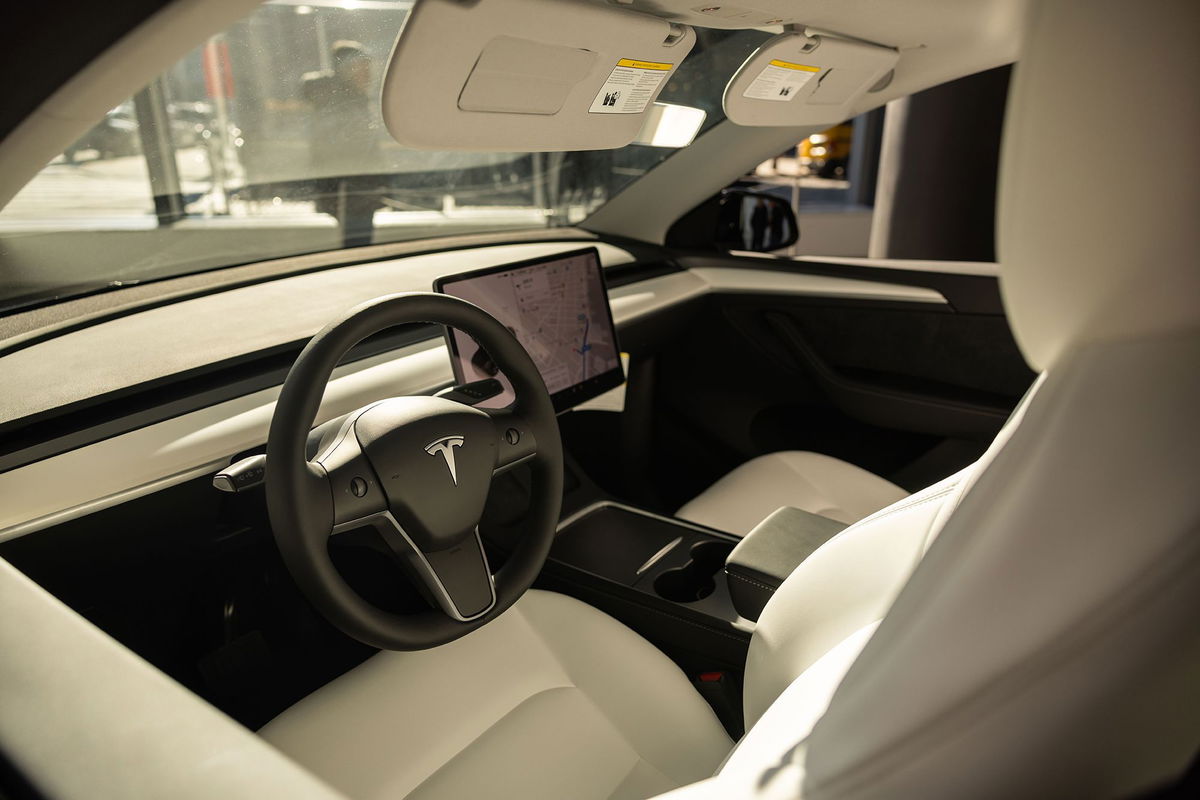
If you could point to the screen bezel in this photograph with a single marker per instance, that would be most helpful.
(572, 396)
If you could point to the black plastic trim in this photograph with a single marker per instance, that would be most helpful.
(969, 294)
(49, 433)
(883, 405)
(673, 626)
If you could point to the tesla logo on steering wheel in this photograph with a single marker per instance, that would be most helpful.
(445, 446)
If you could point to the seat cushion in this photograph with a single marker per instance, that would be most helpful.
(812, 482)
(553, 699)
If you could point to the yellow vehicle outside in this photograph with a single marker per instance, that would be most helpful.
(827, 154)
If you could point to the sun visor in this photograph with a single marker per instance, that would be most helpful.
(526, 75)
(795, 80)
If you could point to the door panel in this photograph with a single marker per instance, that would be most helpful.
(909, 390)
(930, 372)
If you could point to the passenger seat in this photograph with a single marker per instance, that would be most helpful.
(812, 482)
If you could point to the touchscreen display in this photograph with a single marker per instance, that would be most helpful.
(558, 309)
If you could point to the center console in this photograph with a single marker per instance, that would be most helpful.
(654, 555)
(661, 576)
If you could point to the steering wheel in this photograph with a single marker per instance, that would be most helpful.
(418, 470)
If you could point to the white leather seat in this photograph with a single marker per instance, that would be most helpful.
(811, 482)
(554, 699)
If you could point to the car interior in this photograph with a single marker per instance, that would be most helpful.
(491, 398)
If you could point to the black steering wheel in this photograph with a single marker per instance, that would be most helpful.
(418, 470)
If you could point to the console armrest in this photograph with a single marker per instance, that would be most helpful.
(769, 553)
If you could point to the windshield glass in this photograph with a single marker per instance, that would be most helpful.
(268, 141)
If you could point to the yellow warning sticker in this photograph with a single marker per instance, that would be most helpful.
(780, 81)
(630, 87)
(630, 62)
(775, 62)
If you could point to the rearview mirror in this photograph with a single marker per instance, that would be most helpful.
(737, 220)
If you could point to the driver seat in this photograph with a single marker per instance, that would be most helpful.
(553, 699)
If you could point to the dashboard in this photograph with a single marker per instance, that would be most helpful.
(165, 435)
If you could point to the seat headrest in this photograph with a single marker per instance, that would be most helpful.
(1098, 230)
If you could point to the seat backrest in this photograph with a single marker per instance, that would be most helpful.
(1047, 643)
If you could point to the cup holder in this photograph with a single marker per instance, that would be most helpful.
(696, 579)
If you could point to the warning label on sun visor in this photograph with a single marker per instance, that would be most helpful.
(780, 80)
(630, 87)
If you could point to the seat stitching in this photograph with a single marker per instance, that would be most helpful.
(887, 512)
(940, 493)
(751, 581)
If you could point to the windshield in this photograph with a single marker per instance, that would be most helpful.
(268, 141)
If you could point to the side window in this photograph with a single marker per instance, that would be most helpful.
(913, 180)
(102, 169)
(829, 178)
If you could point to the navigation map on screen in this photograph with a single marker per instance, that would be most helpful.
(558, 309)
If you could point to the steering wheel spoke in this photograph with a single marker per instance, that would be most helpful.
(458, 579)
(515, 442)
(356, 493)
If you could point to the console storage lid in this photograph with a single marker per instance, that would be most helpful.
(768, 554)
